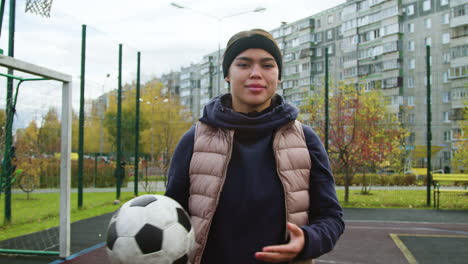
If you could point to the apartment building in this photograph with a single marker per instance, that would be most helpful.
(373, 44)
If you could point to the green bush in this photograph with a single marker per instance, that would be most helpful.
(46, 173)
(375, 179)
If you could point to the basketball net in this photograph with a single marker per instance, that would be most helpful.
(39, 7)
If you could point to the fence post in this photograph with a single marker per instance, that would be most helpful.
(81, 118)
(429, 117)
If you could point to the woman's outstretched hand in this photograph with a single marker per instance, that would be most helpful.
(285, 252)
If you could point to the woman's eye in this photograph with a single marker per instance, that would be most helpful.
(242, 64)
(268, 65)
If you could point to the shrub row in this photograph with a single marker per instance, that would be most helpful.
(382, 179)
(46, 173)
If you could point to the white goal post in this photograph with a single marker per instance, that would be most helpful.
(66, 133)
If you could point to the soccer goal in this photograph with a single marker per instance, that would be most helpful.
(66, 130)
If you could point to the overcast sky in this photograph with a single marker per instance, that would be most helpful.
(167, 37)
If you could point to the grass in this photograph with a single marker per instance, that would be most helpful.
(41, 211)
(401, 199)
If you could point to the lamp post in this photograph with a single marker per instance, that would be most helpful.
(219, 19)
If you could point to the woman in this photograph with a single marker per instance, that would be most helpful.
(257, 183)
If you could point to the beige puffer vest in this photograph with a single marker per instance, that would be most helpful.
(208, 167)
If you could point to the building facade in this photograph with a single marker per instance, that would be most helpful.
(372, 44)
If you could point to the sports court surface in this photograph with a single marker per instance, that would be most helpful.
(371, 236)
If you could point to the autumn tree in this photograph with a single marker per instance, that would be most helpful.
(27, 140)
(49, 133)
(460, 156)
(163, 120)
(96, 137)
(167, 121)
(362, 133)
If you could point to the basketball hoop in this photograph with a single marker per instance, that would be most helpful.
(39, 7)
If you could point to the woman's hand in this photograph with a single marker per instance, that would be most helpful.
(286, 252)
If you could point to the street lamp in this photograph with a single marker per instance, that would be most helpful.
(219, 19)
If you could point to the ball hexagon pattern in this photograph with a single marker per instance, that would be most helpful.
(150, 229)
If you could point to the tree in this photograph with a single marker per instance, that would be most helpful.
(49, 133)
(460, 156)
(96, 136)
(27, 139)
(163, 120)
(362, 133)
(168, 120)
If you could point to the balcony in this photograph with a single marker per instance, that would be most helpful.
(457, 114)
(349, 64)
(459, 21)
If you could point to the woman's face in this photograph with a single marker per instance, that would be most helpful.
(254, 78)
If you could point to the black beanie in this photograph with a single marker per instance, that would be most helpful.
(255, 41)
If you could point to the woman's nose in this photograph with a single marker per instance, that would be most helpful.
(256, 71)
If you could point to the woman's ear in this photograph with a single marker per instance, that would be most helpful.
(226, 78)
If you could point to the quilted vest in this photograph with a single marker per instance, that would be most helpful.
(208, 167)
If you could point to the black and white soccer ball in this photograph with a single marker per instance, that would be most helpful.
(150, 229)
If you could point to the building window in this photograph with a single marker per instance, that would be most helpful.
(427, 5)
(410, 28)
(425, 80)
(329, 34)
(412, 64)
(428, 23)
(446, 116)
(460, 31)
(318, 23)
(319, 66)
(410, 10)
(459, 51)
(447, 156)
(446, 97)
(446, 58)
(445, 77)
(318, 52)
(428, 41)
(459, 72)
(445, 38)
(410, 82)
(444, 2)
(330, 19)
(318, 37)
(410, 100)
(411, 118)
(460, 10)
(411, 45)
(447, 135)
(445, 18)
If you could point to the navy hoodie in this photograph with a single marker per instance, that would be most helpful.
(251, 211)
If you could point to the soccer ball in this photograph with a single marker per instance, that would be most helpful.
(150, 229)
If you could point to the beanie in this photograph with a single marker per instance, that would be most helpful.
(253, 39)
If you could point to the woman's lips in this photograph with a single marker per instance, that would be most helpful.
(256, 88)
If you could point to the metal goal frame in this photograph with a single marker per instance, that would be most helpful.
(66, 140)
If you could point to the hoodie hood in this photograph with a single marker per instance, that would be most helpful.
(219, 113)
